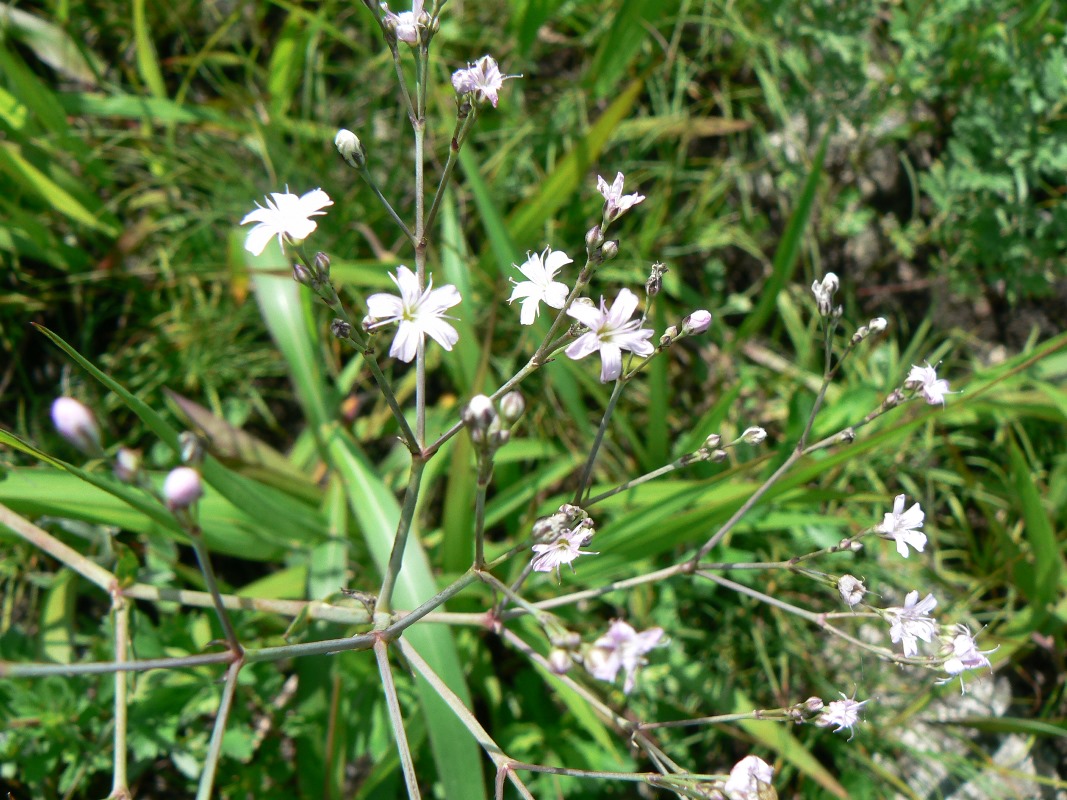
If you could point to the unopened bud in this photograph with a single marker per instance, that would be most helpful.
(368, 323)
(697, 322)
(877, 325)
(895, 398)
(559, 660)
(713, 441)
(851, 589)
(754, 435)
(610, 249)
(847, 436)
(303, 275)
(76, 423)
(512, 405)
(824, 292)
(350, 148)
(182, 488)
(813, 705)
(668, 336)
(190, 448)
(322, 266)
(718, 456)
(127, 464)
(340, 328)
(478, 416)
(594, 238)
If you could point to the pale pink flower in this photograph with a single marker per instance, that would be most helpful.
(563, 550)
(911, 623)
(610, 331)
(615, 202)
(903, 526)
(926, 382)
(964, 655)
(285, 215)
(540, 269)
(852, 590)
(482, 79)
(417, 313)
(406, 23)
(621, 648)
(746, 778)
(843, 713)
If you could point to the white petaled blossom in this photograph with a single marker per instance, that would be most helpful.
(926, 382)
(621, 648)
(417, 313)
(843, 713)
(747, 778)
(852, 590)
(406, 24)
(285, 215)
(610, 331)
(76, 423)
(964, 655)
(903, 526)
(482, 79)
(564, 549)
(615, 202)
(539, 287)
(911, 623)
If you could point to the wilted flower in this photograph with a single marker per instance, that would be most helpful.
(539, 286)
(824, 292)
(563, 550)
(623, 648)
(965, 654)
(925, 380)
(843, 713)
(746, 779)
(610, 332)
(76, 423)
(615, 202)
(406, 24)
(911, 623)
(286, 215)
(903, 526)
(417, 313)
(182, 488)
(852, 590)
(481, 79)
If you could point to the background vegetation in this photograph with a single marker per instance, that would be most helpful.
(134, 136)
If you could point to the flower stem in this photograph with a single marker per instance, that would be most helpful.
(196, 537)
(119, 783)
(403, 529)
(464, 125)
(214, 751)
(385, 670)
(587, 473)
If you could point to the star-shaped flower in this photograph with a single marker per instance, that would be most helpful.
(286, 215)
(910, 623)
(926, 382)
(563, 550)
(610, 331)
(615, 202)
(903, 526)
(416, 313)
(623, 648)
(843, 713)
(481, 79)
(964, 655)
(539, 286)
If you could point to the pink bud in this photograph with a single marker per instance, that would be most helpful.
(182, 488)
(75, 423)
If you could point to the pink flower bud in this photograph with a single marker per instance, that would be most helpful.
(182, 488)
(697, 322)
(75, 423)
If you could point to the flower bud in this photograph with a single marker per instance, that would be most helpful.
(697, 322)
(610, 249)
(340, 329)
(191, 449)
(478, 416)
(895, 398)
(322, 266)
(303, 275)
(655, 280)
(559, 660)
(368, 323)
(754, 435)
(814, 705)
(847, 436)
(851, 589)
(824, 292)
(718, 456)
(512, 406)
(127, 464)
(713, 441)
(877, 325)
(76, 423)
(350, 148)
(668, 337)
(594, 238)
(182, 488)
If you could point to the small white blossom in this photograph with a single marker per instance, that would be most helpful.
(417, 313)
(182, 488)
(843, 713)
(285, 215)
(964, 655)
(615, 202)
(563, 550)
(925, 380)
(824, 292)
(746, 778)
(903, 526)
(610, 331)
(852, 590)
(911, 623)
(76, 423)
(540, 269)
(406, 23)
(623, 648)
(481, 79)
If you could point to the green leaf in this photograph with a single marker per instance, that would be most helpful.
(1038, 577)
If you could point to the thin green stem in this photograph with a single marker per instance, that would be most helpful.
(120, 789)
(419, 127)
(587, 473)
(364, 173)
(685, 461)
(197, 539)
(407, 765)
(403, 528)
(768, 715)
(464, 125)
(214, 750)
(485, 474)
(9, 669)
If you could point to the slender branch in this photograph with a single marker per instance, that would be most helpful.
(485, 474)
(464, 125)
(685, 461)
(587, 473)
(364, 173)
(385, 670)
(214, 750)
(10, 669)
(197, 539)
(120, 789)
(403, 529)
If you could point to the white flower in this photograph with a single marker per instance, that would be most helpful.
(852, 590)
(623, 648)
(903, 526)
(910, 623)
(843, 713)
(615, 202)
(350, 148)
(406, 23)
(76, 423)
(182, 488)
(563, 550)
(610, 332)
(925, 380)
(482, 79)
(964, 655)
(285, 215)
(746, 777)
(417, 312)
(824, 292)
(540, 269)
